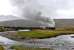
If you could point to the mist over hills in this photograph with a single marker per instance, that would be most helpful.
(13, 21)
(59, 23)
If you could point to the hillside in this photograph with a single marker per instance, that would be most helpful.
(60, 23)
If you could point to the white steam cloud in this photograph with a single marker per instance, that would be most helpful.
(29, 9)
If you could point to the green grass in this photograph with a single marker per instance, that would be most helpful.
(27, 48)
(42, 33)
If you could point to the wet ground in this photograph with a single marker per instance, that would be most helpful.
(62, 42)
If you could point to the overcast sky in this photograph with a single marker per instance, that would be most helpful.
(54, 8)
(60, 8)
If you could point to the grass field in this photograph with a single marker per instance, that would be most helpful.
(23, 48)
(43, 33)
(20, 48)
(27, 48)
(38, 34)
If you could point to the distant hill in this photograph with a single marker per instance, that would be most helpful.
(13, 21)
(64, 23)
(26, 23)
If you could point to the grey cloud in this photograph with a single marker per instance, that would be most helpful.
(33, 11)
